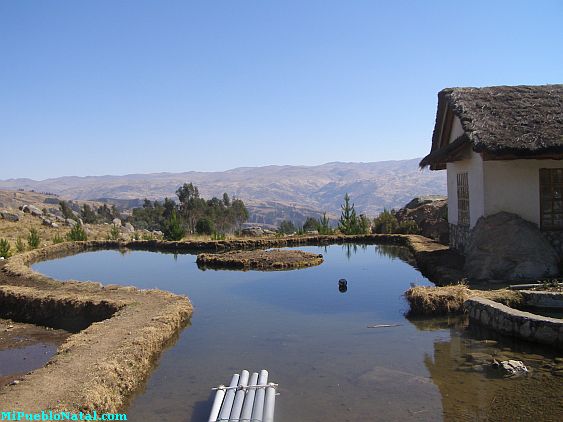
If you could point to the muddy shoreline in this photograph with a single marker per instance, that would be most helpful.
(119, 332)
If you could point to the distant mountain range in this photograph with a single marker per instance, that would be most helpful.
(272, 193)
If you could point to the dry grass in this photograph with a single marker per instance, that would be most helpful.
(12, 231)
(450, 299)
(260, 260)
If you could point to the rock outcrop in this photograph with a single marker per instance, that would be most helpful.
(430, 214)
(504, 246)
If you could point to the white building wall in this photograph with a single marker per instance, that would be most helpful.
(514, 186)
(457, 130)
(473, 165)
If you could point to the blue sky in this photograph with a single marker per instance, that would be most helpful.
(117, 87)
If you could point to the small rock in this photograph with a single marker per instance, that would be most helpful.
(129, 227)
(511, 367)
(70, 222)
(15, 382)
(116, 222)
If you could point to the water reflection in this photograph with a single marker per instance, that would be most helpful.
(352, 249)
(315, 343)
(471, 389)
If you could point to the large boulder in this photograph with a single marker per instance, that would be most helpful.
(423, 200)
(8, 216)
(32, 209)
(430, 213)
(252, 231)
(504, 246)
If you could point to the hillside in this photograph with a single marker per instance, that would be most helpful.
(271, 192)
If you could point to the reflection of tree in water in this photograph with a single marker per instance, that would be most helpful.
(352, 248)
(393, 252)
(471, 390)
(386, 251)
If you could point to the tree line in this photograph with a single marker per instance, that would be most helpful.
(352, 223)
(191, 214)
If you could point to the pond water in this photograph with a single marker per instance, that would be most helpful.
(316, 344)
(25, 347)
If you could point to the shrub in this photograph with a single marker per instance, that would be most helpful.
(204, 226)
(20, 246)
(385, 222)
(57, 239)
(33, 239)
(77, 233)
(311, 224)
(218, 236)
(114, 232)
(4, 248)
(287, 227)
(324, 225)
(408, 227)
(148, 236)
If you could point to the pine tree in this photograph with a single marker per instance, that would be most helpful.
(173, 230)
(348, 219)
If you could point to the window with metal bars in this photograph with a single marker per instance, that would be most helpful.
(462, 199)
(551, 199)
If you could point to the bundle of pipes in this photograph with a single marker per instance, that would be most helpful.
(246, 399)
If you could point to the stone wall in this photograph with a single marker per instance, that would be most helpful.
(542, 299)
(515, 323)
(556, 240)
(459, 235)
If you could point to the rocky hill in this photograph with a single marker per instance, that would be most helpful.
(271, 192)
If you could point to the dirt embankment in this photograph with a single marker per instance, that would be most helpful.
(270, 260)
(123, 330)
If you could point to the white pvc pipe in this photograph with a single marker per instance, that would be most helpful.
(217, 404)
(239, 397)
(258, 409)
(269, 404)
(249, 399)
(229, 398)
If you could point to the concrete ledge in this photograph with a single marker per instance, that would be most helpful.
(515, 323)
(542, 299)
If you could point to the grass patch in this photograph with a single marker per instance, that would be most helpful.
(449, 299)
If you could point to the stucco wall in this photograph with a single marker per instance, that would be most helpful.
(514, 186)
(457, 130)
(473, 165)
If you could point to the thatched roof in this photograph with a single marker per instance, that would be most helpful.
(500, 121)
